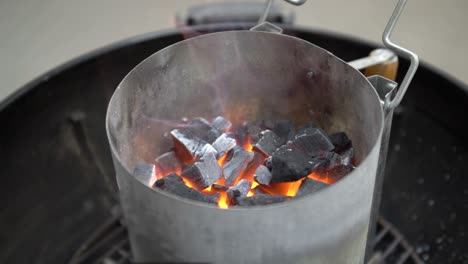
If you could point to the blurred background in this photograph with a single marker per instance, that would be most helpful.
(36, 36)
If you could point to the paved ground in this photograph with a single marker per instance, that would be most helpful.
(36, 36)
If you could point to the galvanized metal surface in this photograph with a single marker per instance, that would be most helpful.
(109, 244)
(231, 74)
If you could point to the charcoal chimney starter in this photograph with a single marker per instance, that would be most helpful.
(248, 76)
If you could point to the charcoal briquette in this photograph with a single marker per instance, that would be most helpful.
(341, 141)
(312, 142)
(309, 186)
(223, 144)
(284, 129)
(257, 160)
(174, 184)
(145, 173)
(241, 189)
(221, 124)
(247, 131)
(267, 143)
(234, 167)
(291, 165)
(260, 199)
(262, 175)
(204, 172)
(187, 144)
(168, 163)
(208, 148)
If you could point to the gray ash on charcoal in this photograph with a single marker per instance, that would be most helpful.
(262, 175)
(221, 124)
(211, 157)
(145, 173)
(168, 163)
(224, 143)
(174, 184)
(204, 172)
(257, 160)
(241, 189)
(236, 165)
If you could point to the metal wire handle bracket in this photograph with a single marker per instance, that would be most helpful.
(414, 59)
(407, 54)
(268, 7)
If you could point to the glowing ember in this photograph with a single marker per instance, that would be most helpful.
(247, 145)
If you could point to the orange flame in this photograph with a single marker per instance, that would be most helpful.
(320, 178)
(283, 188)
(222, 202)
(222, 160)
(189, 184)
(247, 144)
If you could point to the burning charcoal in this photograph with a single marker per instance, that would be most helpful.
(312, 142)
(213, 134)
(336, 173)
(168, 163)
(221, 124)
(262, 175)
(291, 165)
(175, 185)
(145, 173)
(260, 199)
(240, 190)
(223, 144)
(258, 159)
(341, 141)
(219, 187)
(247, 131)
(254, 132)
(234, 167)
(208, 148)
(309, 186)
(268, 142)
(284, 129)
(203, 172)
(187, 144)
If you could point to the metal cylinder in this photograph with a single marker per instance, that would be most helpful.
(245, 75)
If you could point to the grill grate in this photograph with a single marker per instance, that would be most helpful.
(109, 244)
